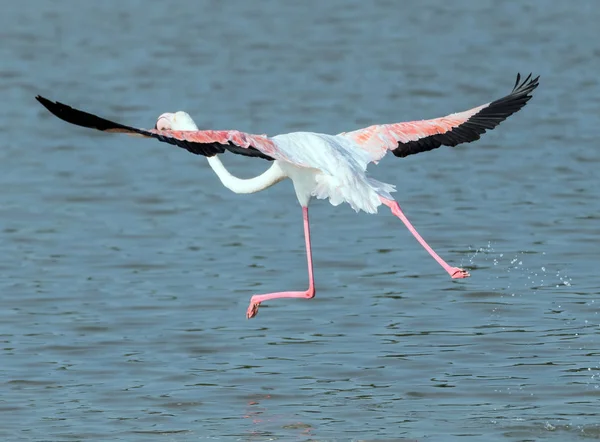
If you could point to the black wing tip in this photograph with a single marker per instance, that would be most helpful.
(526, 86)
(56, 108)
(520, 95)
(79, 117)
(48, 104)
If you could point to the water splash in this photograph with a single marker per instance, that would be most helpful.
(524, 271)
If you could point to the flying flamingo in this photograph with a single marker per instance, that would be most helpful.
(320, 165)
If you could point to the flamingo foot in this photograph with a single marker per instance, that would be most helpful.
(252, 309)
(457, 273)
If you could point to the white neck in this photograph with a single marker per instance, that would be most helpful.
(182, 121)
(273, 175)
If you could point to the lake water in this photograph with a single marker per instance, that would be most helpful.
(127, 267)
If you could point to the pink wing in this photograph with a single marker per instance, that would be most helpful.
(207, 143)
(405, 139)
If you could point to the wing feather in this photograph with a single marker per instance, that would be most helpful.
(207, 143)
(412, 137)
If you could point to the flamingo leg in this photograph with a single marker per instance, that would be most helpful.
(454, 272)
(310, 293)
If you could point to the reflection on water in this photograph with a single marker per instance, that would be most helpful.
(128, 268)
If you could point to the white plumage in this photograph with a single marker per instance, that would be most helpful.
(338, 170)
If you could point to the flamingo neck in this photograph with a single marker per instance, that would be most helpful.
(274, 174)
(271, 176)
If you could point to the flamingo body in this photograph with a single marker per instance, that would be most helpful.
(337, 172)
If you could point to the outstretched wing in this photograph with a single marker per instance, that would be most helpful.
(412, 137)
(202, 142)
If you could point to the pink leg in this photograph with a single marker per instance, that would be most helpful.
(454, 272)
(310, 293)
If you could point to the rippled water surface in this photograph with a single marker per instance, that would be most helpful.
(127, 267)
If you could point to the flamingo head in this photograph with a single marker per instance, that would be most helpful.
(175, 121)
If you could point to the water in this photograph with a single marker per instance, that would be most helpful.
(127, 268)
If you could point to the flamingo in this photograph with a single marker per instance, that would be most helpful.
(321, 166)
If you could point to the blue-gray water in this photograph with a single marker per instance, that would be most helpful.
(127, 268)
